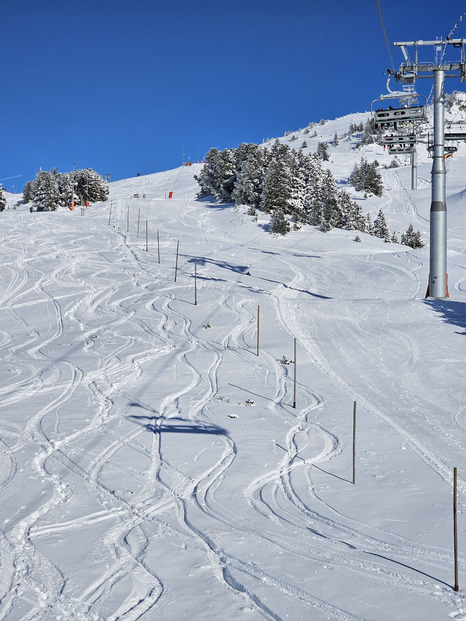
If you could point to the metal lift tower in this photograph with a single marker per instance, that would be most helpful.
(409, 72)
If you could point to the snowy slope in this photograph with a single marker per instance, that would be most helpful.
(152, 465)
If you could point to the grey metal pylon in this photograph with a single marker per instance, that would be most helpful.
(409, 72)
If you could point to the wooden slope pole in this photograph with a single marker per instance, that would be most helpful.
(147, 236)
(354, 443)
(258, 318)
(195, 282)
(110, 213)
(294, 381)
(139, 219)
(455, 524)
(176, 264)
(158, 244)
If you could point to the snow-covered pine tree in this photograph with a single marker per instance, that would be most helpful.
(90, 186)
(207, 178)
(380, 228)
(225, 175)
(330, 208)
(369, 227)
(412, 238)
(322, 151)
(298, 181)
(2, 200)
(352, 216)
(336, 142)
(251, 166)
(311, 171)
(278, 222)
(365, 177)
(276, 191)
(46, 194)
(367, 134)
(65, 188)
(27, 192)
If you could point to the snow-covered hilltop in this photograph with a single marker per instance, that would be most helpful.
(152, 465)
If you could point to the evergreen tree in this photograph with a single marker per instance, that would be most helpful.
(251, 165)
(207, 178)
(336, 142)
(365, 177)
(367, 134)
(330, 206)
(278, 223)
(27, 192)
(354, 128)
(412, 238)
(380, 228)
(45, 191)
(352, 216)
(368, 226)
(65, 187)
(89, 185)
(322, 151)
(2, 200)
(276, 191)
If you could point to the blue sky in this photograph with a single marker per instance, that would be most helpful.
(124, 87)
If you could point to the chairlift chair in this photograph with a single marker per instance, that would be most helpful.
(408, 139)
(401, 114)
(400, 148)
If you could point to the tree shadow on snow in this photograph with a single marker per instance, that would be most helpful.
(210, 202)
(240, 269)
(452, 312)
(176, 425)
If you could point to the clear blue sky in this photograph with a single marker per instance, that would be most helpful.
(123, 87)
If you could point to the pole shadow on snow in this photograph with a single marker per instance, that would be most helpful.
(176, 425)
(417, 571)
(451, 311)
(332, 474)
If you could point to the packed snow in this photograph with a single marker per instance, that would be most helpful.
(152, 465)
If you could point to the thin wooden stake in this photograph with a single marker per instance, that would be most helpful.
(258, 325)
(294, 382)
(147, 236)
(455, 524)
(110, 213)
(158, 244)
(354, 443)
(195, 282)
(176, 264)
(139, 218)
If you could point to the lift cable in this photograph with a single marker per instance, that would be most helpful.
(385, 35)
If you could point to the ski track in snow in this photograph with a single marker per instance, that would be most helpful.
(102, 421)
